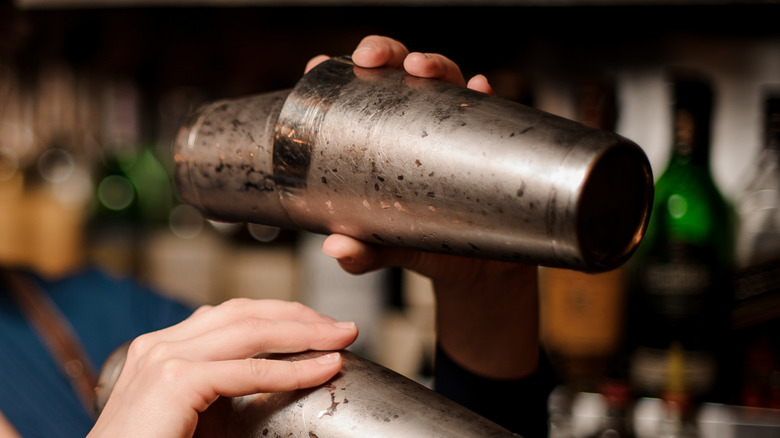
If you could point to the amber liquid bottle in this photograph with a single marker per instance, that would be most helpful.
(582, 312)
(681, 276)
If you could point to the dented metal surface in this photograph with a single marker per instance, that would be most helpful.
(393, 159)
(364, 400)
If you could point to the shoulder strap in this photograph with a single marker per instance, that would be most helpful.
(56, 333)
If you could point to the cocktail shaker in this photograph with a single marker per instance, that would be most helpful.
(364, 399)
(392, 159)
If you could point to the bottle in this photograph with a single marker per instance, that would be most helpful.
(616, 421)
(582, 312)
(681, 276)
(678, 420)
(132, 191)
(756, 319)
(758, 236)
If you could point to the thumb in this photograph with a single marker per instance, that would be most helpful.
(358, 257)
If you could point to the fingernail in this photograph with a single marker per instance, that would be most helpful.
(335, 253)
(328, 358)
(365, 45)
(345, 324)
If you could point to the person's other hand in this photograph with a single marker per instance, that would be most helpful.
(172, 375)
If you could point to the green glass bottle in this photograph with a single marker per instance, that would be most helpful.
(681, 275)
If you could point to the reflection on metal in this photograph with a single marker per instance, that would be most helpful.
(397, 160)
(364, 400)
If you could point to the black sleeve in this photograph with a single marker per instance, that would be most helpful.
(518, 405)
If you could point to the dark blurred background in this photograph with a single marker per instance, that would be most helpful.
(92, 93)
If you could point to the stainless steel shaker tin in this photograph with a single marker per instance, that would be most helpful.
(394, 159)
(364, 399)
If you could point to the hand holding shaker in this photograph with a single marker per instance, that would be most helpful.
(393, 159)
(365, 399)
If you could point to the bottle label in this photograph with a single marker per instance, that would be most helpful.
(676, 290)
(580, 311)
(757, 295)
(682, 294)
(687, 283)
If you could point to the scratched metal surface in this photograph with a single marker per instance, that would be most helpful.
(396, 160)
(364, 400)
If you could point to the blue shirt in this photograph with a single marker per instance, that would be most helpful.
(105, 312)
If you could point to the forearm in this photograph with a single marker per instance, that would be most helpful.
(489, 326)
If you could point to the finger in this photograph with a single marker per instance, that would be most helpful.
(317, 60)
(251, 337)
(202, 309)
(481, 84)
(358, 257)
(245, 377)
(379, 51)
(195, 385)
(434, 66)
(354, 256)
(208, 319)
(268, 308)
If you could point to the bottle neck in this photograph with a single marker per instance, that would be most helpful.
(692, 111)
(691, 136)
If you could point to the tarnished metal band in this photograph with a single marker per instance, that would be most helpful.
(300, 121)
